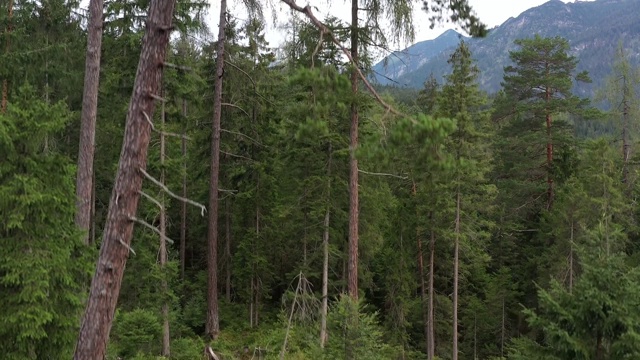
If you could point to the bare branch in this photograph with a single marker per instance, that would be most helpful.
(151, 199)
(179, 67)
(153, 127)
(149, 226)
(243, 135)
(127, 246)
(242, 71)
(180, 198)
(237, 156)
(156, 97)
(383, 174)
(237, 107)
(307, 11)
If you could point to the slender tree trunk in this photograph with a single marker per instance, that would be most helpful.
(503, 329)
(456, 250)
(183, 205)
(163, 247)
(105, 286)
(325, 261)
(5, 82)
(571, 257)
(549, 121)
(93, 208)
(84, 179)
(353, 161)
(423, 291)
(431, 338)
(227, 252)
(625, 131)
(213, 320)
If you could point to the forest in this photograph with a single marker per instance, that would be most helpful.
(168, 193)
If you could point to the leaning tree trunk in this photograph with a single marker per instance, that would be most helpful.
(84, 179)
(353, 161)
(213, 317)
(107, 280)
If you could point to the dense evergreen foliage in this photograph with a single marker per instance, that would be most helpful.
(490, 226)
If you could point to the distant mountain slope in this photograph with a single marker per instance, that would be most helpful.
(592, 28)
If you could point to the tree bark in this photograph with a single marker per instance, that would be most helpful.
(325, 261)
(183, 205)
(456, 250)
(227, 252)
(625, 131)
(84, 179)
(431, 339)
(105, 286)
(5, 83)
(213, 319)
(163, 247)
(353, 161)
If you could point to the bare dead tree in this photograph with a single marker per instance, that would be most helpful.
(105, 286)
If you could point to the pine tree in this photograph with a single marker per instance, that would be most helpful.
(461, 100)
(42, 260)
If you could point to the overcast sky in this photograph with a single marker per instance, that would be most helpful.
(491, 12)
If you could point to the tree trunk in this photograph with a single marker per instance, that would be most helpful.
(5, 82)
(183, 205)
(548, 121)
(353, 161)
(227, 252)
(106, 283)
(325, 261)
(423, 291)
(213, 319)
(84, 179)
(163, 247)
(625, 131)
(431, 339)
(456, 250)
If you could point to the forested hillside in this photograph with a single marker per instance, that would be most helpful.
(168, 193)
(592, 28)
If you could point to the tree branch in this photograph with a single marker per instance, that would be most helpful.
(383, 174)
(307, 11)
(149, 226)
(180, 198)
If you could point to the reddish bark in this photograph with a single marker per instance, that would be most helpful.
(107, 280)
(213, 316)
(353, 161)
(84, 179)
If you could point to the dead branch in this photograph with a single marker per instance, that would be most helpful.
(237, 156)
(242, 71)
(383, 174)
(180, 198)
(149, 226)
(178, 67)
(153, 127)
(237, 107)
(157, 97)
(126, 246)
(243, 135)
(307, 11)
(150, 198)
(210, 354)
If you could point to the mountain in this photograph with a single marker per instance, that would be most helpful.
(593, 30)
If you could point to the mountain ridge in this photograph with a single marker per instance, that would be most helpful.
(592, 28)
